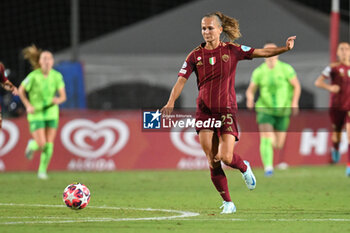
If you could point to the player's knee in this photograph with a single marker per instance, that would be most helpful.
(207, 151)
(278, 146)
(41, 145)
(225, 157)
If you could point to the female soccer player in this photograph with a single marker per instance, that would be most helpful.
(279, 94)
(42, 85)
(339, 75)
(214, 63)
(6, 84)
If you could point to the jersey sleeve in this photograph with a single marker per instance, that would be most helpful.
(27, 82)
(327, 72)
(59, 81)
(245, 52)
(188, 66)
(290, 72)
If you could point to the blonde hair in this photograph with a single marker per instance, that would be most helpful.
(229, 25)
(32, 54)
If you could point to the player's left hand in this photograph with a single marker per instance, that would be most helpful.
(290, 42)
(56, 100)
(295, 109)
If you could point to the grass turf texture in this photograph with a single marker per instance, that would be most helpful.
(305, 199)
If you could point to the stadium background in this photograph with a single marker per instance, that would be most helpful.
(129, 54)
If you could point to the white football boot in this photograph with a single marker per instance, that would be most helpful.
(249, 177)
(228, 207)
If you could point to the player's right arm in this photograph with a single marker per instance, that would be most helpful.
(252, 88)
(321, 81)
(24, 99)
(184, 73)
(175, 93)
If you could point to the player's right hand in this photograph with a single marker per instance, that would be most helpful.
(334, 88)
(167, 110)
(290, 42)
(30, 109)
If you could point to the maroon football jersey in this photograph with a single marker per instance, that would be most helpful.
(215, 70)
(3, 77)
(339, 74)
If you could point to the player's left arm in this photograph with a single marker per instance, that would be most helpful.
(296, 94)
(62, 97)
(270, 52)
(8, 86)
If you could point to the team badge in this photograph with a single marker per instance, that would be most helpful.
(199, 58)
(341, 71)
(212, 61)
(225, 57)
(348, 73)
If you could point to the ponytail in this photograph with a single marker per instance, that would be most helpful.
(32, 54)
(229, 25)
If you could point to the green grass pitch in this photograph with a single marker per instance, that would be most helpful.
(304, 199)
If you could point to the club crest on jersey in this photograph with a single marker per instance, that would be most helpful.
(225, 57)
(212, 61)
(199, 58)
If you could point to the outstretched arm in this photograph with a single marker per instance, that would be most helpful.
(270, 52)
(175, 93)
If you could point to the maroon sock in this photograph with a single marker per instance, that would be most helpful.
(336, 145)
(237, 162)
(220, 182)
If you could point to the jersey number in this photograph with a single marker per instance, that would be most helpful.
(226, 119)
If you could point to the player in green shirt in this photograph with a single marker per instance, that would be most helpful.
(279, 90)
(38, 92)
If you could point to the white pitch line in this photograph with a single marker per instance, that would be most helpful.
(182, 214)
(270, 219)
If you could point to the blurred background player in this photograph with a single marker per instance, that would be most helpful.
(6, 84)
(339, 107)
(42, 85)
(214, 63)
(279, 90)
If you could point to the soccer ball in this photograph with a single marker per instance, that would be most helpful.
(76, 196)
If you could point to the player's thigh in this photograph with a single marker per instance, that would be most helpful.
(39, 136)
(226, 147)
(51, 134)
(280, 138)
(51, 130)
(266, 130)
